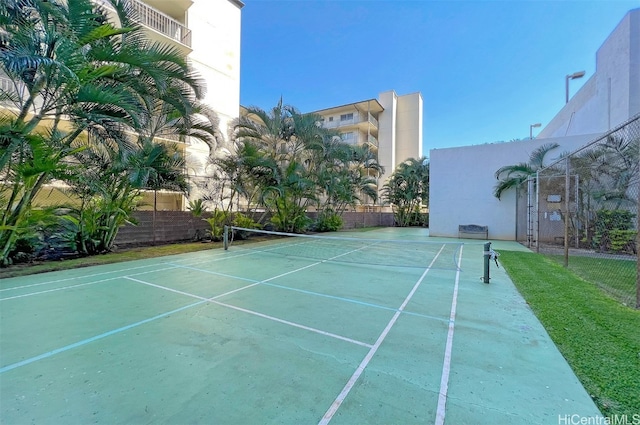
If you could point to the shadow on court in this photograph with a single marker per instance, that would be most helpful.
(265, 333)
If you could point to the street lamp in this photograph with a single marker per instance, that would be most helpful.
(531, 129)
(573, 76)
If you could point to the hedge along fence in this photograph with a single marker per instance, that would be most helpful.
(180, 226)
(587, 204)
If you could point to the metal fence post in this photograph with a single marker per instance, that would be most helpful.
(567, 205)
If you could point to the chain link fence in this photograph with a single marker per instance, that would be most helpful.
(583, 211)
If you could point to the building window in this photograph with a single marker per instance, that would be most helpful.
(346, 117)
(348, 137)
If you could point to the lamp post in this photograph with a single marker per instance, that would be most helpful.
(531, 129)
(573, 76)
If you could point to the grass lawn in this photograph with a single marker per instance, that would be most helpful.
(616, 277)
(599, 337)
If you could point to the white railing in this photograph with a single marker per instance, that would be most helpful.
(162, 23)
(373, 120)
(357, 119)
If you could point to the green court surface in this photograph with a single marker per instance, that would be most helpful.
(260, 337)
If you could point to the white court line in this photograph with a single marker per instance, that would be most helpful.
(347, 388)
(188, 294)
(295, 325)
(213, 258)
(121, 329)
(73, 278)
(318, 294)
(172, 266)
(446, 366)
(189, 267)
(82, 284)
(93, 338)
(255, 313)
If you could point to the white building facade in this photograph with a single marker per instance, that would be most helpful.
(462, 179)
(208, 32)
(612, 95)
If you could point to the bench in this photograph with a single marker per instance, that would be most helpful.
(473, 231)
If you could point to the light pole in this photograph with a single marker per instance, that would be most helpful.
(573, 76)
(531, 129)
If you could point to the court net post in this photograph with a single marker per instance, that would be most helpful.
(487, 258)
(225, 237)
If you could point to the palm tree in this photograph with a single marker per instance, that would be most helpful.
(511, 176)
(77, 79)
(289, 161)
(275, 162)
(407, 190)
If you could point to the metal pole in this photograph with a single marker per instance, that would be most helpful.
(225, 237)
(577, 208)
(566, 89)
(529, 208)
(487, 257)
(567, 182)
(537, 232)
(638, 244)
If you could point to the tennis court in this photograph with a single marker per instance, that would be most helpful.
(283, 331)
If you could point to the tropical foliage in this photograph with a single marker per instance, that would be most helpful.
(285, 162)
(407, 190)
(511, 176)
(79, 86)
(608, 176)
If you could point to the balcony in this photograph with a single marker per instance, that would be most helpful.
(363, 121)
(164, 24)
(373, 121)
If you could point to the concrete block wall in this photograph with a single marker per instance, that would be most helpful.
(170, 226)
(180, 226)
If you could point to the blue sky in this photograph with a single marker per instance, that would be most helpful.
(486, 69)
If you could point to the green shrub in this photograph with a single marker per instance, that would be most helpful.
(196, 207)
(241, 220)
(622, 240)
(328, 222)
(289, 217)
(613, 230)
(217, 222)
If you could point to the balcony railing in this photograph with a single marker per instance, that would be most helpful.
(162, 23)
(357, 119)
(373, 120)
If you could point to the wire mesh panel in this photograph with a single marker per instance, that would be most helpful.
(587, 211)
(378, 252)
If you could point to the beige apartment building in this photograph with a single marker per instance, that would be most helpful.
(208, 31)
(391, 125)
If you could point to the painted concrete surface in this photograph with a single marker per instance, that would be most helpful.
(239, 337)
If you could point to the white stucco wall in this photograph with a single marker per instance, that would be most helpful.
(462, 181)
(387, 121)
(409, 127)
(215, 26)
